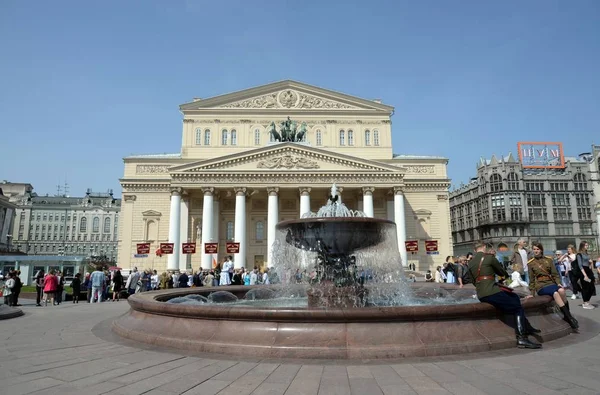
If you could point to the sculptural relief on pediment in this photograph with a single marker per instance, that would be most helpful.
(287, 162)
(290, 99)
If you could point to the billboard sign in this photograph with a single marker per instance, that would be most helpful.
(143, 248)
(431, 247)
(412, 246)
(541, 155)
(211, 248)
(188, 248)
(233, 248)
(166, 248)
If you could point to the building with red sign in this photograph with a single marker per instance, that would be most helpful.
(233, 182)
(539, 195)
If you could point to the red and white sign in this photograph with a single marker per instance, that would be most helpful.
(233, 248)
(412, 245)
(431, 245)
(211, 248)
(188, 248)
(166, 248)
(143, 248)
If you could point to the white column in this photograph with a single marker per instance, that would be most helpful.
(368, 201)
(240, 227)
(207, 226)
(304, 200)
(272, 220)
(174, 229)
(183, 231)
(216, 221)
(400, 223)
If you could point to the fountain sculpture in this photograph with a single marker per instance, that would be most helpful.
(355, 303)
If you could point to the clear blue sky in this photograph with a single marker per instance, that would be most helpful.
(83, 84)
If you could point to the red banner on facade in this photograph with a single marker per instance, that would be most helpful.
(166, 248)
(211, 248)
(431, 245)
(188, 248)
(412, 245)
(233, 248)
(143, 248)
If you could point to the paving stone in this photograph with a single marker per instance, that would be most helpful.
(209, 387)
(271, 388)
(31, 386)
(397, 390)
(364, 386)
(306, 381)
(461, 388)
(407, 370)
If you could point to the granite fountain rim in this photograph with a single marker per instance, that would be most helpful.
(282, 224)
(153, 302)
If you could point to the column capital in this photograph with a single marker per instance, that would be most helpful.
(304, 191)
(272, 191)
(399, 190)
(176, 191)
(208, 191)
(240, 191)
(368, 190)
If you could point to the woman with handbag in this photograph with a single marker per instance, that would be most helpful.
(545, 280)
(586, 277)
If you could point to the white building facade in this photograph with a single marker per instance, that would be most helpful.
(232, 182)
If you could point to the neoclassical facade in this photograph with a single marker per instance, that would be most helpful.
(232, 182)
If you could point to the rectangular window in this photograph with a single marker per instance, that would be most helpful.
(198, 136)
(233, 137)
(538, 214)
(342, 137)
(562, 213)
(538, 230)
(229, 230)
(561, 199)
(497, 200)
(584, 213)
(564, 229)
(536, 200)
(350, 137)
(224, 137)
(516, 214)
(367, 137)
(257, 137)
(319, 137)
(45, 217)
(375, 137)
(514, 199)
(499, 214)
(586, 229)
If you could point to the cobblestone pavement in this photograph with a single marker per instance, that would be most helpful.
(69, 349)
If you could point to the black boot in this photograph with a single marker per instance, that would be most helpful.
(522, 340)
(572, 318)
(569, 318)
(530, 329)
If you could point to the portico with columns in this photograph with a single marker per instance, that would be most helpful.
(219, 193)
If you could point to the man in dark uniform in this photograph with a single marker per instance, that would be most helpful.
(484, 268)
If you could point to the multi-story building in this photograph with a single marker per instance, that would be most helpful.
(7, 215)
(231, 182)
(507, 200)
(63, 225)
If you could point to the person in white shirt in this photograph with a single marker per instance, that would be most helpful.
(253, 277)
(154, 280)
(225, 272)
(265, 277)
(132, 281)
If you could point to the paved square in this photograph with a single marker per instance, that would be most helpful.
(69, 349)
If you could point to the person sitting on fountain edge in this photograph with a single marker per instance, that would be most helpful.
(484, 268)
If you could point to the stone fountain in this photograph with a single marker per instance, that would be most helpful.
(355, 303)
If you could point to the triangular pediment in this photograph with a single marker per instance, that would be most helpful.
(287, 96)
(287, 157)
(151, 213)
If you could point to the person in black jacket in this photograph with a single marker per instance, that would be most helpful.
(76, 286)
(17, 287)
(183, 280)
(39, 287)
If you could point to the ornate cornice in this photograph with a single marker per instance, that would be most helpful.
(309, 122)
(286, 178)
(145, 187)
(287, 162)
(427, 187)
(188, 120)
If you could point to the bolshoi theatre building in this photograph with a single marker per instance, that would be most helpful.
(233, 181)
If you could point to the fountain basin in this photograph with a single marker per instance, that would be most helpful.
(332, 333)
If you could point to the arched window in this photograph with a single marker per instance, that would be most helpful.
(207, 137)
(107, 225)
(375, 137)
(256, 136)
(229, 231)
(318, 137)
(342, 137)
(350, 137)
(513, 181)
(224, 137)
(233, 137)
(198, 136)
(495, 182)
(83, 225)
(579, 182)
(260, 231)
(367, 137)
(96, 225)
